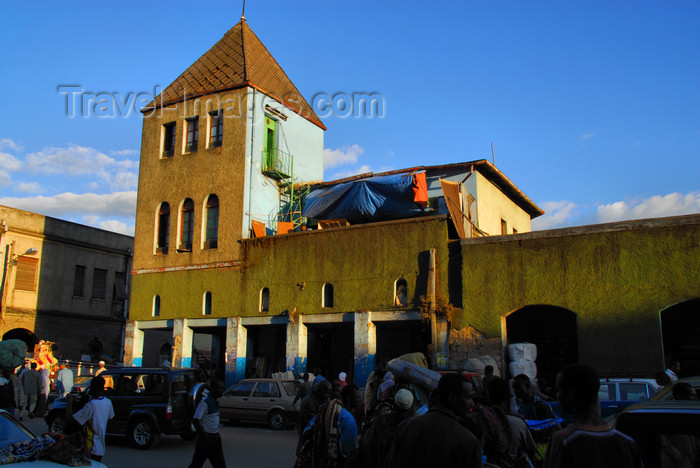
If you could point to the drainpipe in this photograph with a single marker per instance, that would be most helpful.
(432, 278)
(127, 286)
(250, 176)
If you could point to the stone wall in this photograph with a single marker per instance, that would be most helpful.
(468, 343)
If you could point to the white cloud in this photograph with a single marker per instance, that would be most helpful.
(556, 214)
(64, 205)
(586, 136)
(5, 179)
(345, 155)
(351, 172)
(84, 162)
(9, 162)
(116, 226)
(564, 213)
(7, 143)
(28, 187)
(653, 207)
(124, 152)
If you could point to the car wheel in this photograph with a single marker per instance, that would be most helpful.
(277, 420)
(57, 423)
(143, 434)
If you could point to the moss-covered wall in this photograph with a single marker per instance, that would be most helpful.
(361, 262)
(616, 278)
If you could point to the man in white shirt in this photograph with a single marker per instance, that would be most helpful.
(98, 410)
(206, 421)
(65, 377)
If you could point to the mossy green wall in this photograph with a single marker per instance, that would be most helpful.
(362, 263)
(616, 280)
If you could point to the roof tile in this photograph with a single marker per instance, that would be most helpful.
(235, 60)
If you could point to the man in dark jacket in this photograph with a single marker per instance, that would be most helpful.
(31, 383)
(437, 438)
(310, 405)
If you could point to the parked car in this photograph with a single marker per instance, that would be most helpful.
(666, 431)
(13, 431)
(147, 402)
(616, 394)
(81, 383)
(261, 400)
(666, 393)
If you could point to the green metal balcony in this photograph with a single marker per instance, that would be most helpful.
(277, 164)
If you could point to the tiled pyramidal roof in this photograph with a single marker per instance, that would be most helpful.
(239, 59)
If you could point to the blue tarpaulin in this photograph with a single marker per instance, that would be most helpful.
(372, 199)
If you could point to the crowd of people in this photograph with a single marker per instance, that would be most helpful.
(459, 426)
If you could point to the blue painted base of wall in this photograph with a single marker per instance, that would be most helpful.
(364, 365)
(299, 366)
(186, 362)
(235, 372)
(137, 362)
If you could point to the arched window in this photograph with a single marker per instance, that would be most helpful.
(186, 225)
(206, 304)
(211, 236)
(400, 293)
(156, 306)
(163, 229)
(264, 300)
(327, 300)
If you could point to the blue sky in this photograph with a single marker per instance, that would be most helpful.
(593, 107)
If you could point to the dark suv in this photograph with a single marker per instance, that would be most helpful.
(147, 402)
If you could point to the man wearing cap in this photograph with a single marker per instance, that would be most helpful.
(379, 436)
(437, 438)
(64, 379)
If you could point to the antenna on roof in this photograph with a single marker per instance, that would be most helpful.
(493, 153)
(243, 12)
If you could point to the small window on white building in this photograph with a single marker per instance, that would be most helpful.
(206, 304)
(264, 299)
(400, 293)
(156, 306)
(327, 299)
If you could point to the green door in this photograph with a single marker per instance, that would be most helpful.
(270, 144)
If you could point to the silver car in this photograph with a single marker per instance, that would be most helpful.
(261, 400)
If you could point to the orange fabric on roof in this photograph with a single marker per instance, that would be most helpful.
(420, 189)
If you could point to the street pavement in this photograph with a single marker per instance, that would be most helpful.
(245, 445)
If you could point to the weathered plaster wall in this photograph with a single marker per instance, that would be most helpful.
(494, 205)
(296, 136)
(193, 175)
(361, 262)
(616, 278)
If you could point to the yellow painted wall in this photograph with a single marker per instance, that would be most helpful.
(494, 205)
(361, 262)
(616, 278)
(194, 175)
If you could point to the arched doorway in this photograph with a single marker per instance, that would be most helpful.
(553, 330)
(29, 338)
(680, 328)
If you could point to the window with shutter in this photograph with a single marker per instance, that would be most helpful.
(26, 273)
(119, 287)
(79, 281)
(99, 281)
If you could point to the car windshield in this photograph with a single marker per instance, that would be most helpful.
(11, 431)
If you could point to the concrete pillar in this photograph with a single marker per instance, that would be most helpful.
(296, 346)
(365, 347)
(182, 347)
(133, 344)
(236, 339)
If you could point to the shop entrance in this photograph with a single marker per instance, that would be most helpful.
(401, 337)
(553, 330)
(331, 348)
(208, 346)
(680, 328)
(265, 350)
